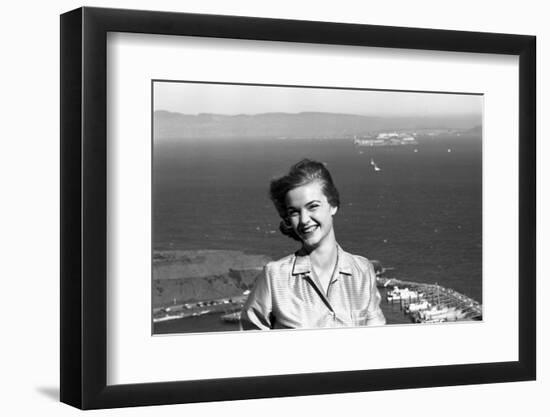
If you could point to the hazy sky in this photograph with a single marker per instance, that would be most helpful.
(193, 98)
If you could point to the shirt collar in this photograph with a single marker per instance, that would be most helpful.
(302, 263)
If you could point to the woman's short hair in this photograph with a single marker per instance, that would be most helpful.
(301, 173)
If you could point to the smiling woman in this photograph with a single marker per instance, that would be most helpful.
(321, 285)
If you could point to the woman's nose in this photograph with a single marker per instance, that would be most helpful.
(304, 217)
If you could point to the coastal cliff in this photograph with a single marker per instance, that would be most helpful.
(189, 276)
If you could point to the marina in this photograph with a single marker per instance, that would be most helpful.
(429, 303)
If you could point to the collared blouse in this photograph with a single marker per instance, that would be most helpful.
(288, 295)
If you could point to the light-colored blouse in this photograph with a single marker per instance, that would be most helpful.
(288, 295)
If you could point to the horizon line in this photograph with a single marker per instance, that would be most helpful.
(323, 112)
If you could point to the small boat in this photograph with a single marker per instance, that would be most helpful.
(405, 294)
(167, 318)
(375, 167)
(234, 317)
(418, 306)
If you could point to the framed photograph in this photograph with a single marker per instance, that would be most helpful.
(366, 194)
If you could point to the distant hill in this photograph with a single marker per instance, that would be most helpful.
(170, 125)
(475, 130)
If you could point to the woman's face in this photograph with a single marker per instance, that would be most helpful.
(310, 214)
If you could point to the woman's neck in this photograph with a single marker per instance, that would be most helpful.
(323, 262)
(323, 256)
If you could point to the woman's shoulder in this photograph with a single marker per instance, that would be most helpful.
(286, 262)
(359, 261)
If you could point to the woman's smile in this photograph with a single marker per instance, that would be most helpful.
(308, 229)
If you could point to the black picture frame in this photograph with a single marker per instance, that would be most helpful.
(84, 207)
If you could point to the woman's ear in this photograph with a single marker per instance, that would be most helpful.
(333, 210)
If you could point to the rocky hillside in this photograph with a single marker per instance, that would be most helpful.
(187, 290)
(190, 276)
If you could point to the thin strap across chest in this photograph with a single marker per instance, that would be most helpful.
(318, 280)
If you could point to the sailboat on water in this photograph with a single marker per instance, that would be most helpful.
(374, 166)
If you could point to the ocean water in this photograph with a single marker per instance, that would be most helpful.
(421, 214)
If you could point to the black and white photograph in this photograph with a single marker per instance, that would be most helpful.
(305, 207)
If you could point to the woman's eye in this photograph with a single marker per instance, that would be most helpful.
(292, 213)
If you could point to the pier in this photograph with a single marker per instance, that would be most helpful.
(429, 303)
(176, 311)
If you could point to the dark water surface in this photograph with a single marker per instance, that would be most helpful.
(421, 214)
